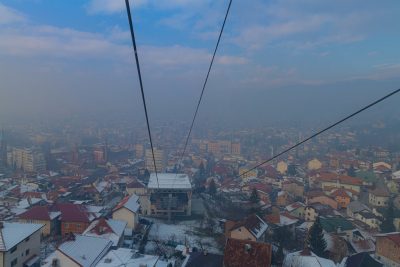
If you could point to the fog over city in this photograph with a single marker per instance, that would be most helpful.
(199, 133)
(279, 61)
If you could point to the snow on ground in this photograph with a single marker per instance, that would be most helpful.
(182, 232)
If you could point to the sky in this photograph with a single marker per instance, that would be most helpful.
(278, 60)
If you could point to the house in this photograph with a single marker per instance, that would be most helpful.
(283, 199)
(75, 218)
(127, 210)
(296, 209)
(109, 229)
(42, 215)
(333, 180)
(19, 244)
(312, 211)
(342, 197)
(388, 248)
(379, 196)
(80, 251)
(293, 187)
(337, 224)
(129, 258)
(282, 220)
(251, 228)
(246, 253)
(306, 258)
(136, 187)
(361, 242)
(355, 207)
(362, 259)
(323, 199)
(368, 218)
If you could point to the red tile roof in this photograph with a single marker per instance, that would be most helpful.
(340, 193)
(344, 179)
(244, 253)
(40, 213)
(395, 237)
(72, 212)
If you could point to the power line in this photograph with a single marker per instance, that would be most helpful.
(322, 131)
(128, 10)
(205, 81)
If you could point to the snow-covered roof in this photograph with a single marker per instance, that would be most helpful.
(116, 226)
(129, 202)
(13, 233)
(300, 259)
(169, 180)
(127, 257)
(86, 250)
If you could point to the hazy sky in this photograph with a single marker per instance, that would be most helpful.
(63, 57)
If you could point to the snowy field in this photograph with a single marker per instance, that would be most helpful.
(183, 232)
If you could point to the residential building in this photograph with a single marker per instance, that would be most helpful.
(323, 199)
(379, 197)
(388, 248)
(247, 172)
(282, 167)
(139, 151)
(342, 197)
(246, 253)
(128, 211)
(296, 209)
(329, 181)
(160, 159)
(25, 159)
(109, 229)
(251, 228)
(80, 251)
(74, 218)
(19, 244)
(293, 187)
(42, 215)
(355, 207)
(236, 149)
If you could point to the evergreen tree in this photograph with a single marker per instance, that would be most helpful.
(387, 225)
(212, 188)
(316, 240)
(254, 198)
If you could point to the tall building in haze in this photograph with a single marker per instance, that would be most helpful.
(160, 159)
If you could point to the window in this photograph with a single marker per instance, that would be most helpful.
(14, 262)
(27, 252)
(13, 249)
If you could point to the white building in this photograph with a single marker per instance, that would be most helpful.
(19, 244)
(128, 211)
(79, 251)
